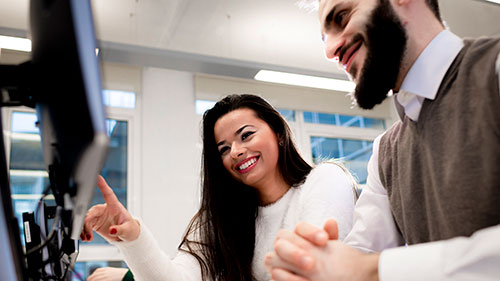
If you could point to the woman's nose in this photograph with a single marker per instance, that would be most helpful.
(237, 150)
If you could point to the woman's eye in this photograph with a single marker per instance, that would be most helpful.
(223, 150)
(246, 135)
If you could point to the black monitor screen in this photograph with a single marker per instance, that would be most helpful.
(67, 90)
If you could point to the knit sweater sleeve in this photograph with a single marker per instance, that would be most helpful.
(148, 263)
(328, 193)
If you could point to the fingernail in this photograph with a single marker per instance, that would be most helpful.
(306, 262)
(320, 237)
(112, 231)
(88, 236)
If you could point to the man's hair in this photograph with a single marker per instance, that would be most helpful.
(313, 5)
(434, 6)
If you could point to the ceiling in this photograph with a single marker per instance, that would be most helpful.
(228, 37)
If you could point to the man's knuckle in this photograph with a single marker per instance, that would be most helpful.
(296, 254)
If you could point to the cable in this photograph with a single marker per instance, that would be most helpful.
(44, 194)
(54, 230)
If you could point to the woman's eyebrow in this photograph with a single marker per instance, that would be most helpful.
(241, 129)
(235, 133)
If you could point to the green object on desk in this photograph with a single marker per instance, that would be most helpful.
(128, 276)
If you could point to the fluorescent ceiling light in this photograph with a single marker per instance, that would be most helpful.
(31, 196)
(15, 43)
(29, 173)
(305, 80)
(26, 137)
(494, 1)
(20, 44)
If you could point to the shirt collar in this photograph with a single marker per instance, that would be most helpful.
(425, 75)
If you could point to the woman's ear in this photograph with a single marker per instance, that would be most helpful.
(402, 2)
(281, 140)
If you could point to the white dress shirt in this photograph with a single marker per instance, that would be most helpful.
(374, 230)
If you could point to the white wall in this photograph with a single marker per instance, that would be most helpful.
(170, 157)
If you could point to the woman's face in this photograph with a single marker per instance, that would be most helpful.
(248, 148)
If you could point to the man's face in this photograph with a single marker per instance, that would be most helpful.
(368, 40)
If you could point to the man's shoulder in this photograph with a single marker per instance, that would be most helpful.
(392, 132)
(481, 44)
(483, 39)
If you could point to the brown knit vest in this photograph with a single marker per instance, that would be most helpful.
(442, 173)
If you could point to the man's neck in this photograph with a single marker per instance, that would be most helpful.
(421, 27)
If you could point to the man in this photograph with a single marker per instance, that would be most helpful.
(434, 177)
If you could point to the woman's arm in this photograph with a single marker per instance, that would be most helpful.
(140, 250)
(328, 193)
(148, 262)
(108, 274)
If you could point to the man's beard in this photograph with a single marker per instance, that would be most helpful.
(386, 44)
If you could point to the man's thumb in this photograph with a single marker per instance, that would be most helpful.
(332, 229)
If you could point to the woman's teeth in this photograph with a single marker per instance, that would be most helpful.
(247, 164)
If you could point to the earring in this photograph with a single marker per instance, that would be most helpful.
(280, 143)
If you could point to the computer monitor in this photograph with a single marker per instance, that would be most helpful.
(68, 95)
(62, 81)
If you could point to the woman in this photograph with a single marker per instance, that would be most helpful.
(254, 183)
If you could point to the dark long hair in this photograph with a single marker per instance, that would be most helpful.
(225, 223)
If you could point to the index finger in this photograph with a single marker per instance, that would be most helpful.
(106, 191)
(294, 238)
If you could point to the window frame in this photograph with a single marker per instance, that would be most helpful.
(303, 132)
(333, 131)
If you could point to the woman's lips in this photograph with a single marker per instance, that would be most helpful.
(247, 164)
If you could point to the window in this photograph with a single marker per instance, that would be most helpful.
(115, 166)
(343, 120)
(347, 138)
(203, 105)
(27, 169)
(353, 153)
(84, 269)
(288, 114)
(29, 178)
(121, 99)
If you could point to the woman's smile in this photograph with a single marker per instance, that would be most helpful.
(246, 165)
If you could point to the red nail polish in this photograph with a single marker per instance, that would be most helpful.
(88, 236)
(112, 231)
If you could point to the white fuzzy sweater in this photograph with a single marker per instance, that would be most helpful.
(326, 193)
